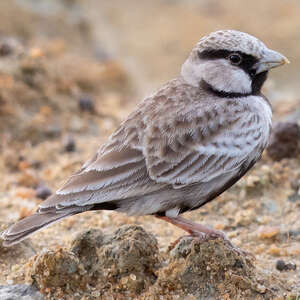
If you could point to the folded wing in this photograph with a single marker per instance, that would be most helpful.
(203, 148)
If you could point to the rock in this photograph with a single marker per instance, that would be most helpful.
(268, 232)
(86, 104)
(9, 46)
(69, 144)
(5, 49)
(125, 260)
(282, 266)
(57, 269)
(85, 246)
(20, 292)
(295, 184)
(284, 141)
(53, 131)
(294, 197)
(43, 192)
(209, 269)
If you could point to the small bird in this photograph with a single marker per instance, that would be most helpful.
(182, 147)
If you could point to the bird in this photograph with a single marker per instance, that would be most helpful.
(181, 147)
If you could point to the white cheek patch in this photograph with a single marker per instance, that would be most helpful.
(219, 73)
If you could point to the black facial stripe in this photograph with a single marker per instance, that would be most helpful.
(247, 63)
(207, 87)
(258, 81)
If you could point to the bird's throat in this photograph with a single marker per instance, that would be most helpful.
(210, 89)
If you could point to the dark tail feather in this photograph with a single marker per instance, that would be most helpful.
(25, 227)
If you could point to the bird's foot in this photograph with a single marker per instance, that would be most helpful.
(216, 234)
(203, 233)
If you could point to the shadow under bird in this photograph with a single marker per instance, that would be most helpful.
(182, 146)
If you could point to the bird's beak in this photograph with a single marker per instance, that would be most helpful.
(271, 59)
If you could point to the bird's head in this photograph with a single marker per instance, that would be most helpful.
(230, 61)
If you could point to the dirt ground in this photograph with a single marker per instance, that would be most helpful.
(70, 71)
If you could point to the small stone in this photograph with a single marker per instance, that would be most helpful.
(128, 258)
(86, 104)
(5, 49)
(252, 181)
(244, 217)
(282, 266)
(274, 250)
(20, 292)
(60, 268)
(132, 277)
(261, 288)
(69, 144)
(85, 246)
(10, 46)
(53, 131)
(284, 141)
(205, 268)
(295, 184)
(291, 266)
(294, 197)
(266, 232)
(293, 233)
(43, 192)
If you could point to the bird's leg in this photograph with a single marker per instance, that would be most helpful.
(200, 231)
(194, 229)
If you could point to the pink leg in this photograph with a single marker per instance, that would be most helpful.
(201, 231)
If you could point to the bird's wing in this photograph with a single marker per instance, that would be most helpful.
(198, 149)
(118, 174)
(118, 171)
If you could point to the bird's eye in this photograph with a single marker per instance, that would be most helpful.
(235, 58)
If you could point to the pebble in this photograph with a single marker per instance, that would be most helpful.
(284, 141)
(69, 144)
(282, 266)
(20, 292)
(53, 131)
(86, 104)
(295, 184)
(5, 49)
(43, 192)
(266, 232)
(275, 251)
(9, 46)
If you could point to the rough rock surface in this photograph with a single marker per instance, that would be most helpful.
(125, 261)
(20, 292)
(59, 269)
(284, 141)
(211, 270)
(128, 263)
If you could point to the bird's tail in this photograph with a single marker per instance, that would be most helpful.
(25, 227)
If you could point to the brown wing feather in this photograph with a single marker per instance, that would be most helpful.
(201, 151)
(96, 183)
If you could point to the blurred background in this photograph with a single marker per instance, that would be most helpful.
(72, 49)
(71, 70)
